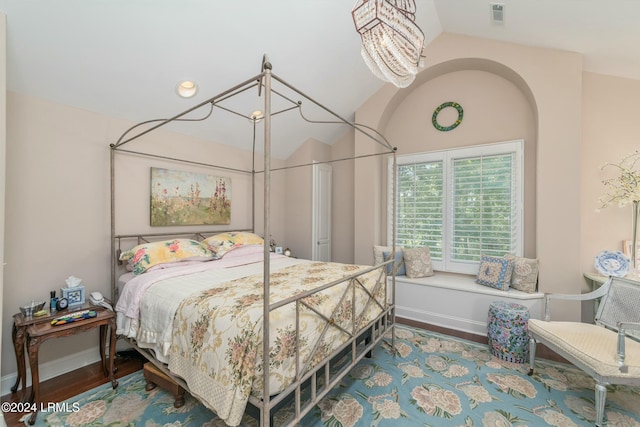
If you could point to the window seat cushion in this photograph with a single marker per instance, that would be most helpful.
(466, 283)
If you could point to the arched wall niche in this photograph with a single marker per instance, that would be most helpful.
(551, 82)
(498, 105)
(453, 65)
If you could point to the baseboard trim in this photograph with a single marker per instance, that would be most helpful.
(53, 368)
(443, 320)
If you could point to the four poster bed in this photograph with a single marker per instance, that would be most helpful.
(239, 327)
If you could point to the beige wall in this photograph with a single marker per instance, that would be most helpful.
(495, 110)
(342, 202)
(551, 81)
(299, 197)
(297, 236)
(57, 195)
(3, 145)
(57, 198)
(611, 130)
(57, 211)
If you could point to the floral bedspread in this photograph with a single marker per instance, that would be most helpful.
(217, 333)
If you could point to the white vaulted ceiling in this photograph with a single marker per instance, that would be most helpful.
(123, 58)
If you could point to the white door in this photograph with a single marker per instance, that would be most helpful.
(321, 214)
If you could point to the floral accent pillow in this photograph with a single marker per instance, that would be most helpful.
(417, 262)
(378, 253)
(142, 257)
(397, 265)
(495, 272)
(222, 243)
(525, 273)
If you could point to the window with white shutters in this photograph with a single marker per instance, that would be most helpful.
(461, 203)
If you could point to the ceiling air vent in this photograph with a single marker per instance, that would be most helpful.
(497, 13)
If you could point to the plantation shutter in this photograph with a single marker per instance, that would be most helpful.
(461, 203)
(420, 206)
(483, 211)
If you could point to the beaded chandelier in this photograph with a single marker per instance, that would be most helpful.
(391, 41)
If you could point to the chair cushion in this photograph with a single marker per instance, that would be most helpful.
(591, 346)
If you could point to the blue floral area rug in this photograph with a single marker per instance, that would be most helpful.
(434, 380)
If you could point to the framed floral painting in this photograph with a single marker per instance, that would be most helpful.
(187, 198)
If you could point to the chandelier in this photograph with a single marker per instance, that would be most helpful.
(391, 41)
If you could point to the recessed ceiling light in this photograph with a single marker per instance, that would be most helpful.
(187, 89)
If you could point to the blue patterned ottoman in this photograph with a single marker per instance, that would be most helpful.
(508, 332)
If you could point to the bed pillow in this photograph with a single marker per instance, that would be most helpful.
(222, 243)
(147, 255)
(181, 263)
(244, 251)
(495, 272)
(417, 262)
(525, 273)
(397, 265)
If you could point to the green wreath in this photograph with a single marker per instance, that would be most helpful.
(434, 117)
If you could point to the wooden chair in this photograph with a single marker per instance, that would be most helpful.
(609, 350)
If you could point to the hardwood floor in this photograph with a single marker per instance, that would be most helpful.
(64, 387)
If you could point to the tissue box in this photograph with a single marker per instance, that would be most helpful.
(74, 295)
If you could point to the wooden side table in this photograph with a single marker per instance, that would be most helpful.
(36, 330)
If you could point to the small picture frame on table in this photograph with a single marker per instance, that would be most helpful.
(279, 249)
(74, 295)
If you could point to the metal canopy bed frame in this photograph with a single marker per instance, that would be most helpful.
(313, 382)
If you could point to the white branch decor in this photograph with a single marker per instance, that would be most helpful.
(624, 189)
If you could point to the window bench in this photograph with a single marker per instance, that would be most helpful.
(455, 301)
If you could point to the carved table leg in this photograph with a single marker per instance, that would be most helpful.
(17, 335)
(33, 345)
(103, 343)
(112, 353)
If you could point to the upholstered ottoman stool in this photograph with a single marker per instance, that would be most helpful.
(507, 331)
